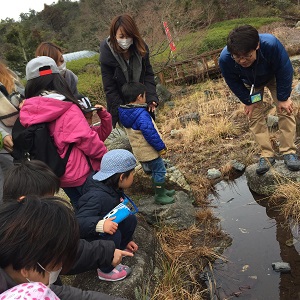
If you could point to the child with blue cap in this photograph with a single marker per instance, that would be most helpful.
(102, 192)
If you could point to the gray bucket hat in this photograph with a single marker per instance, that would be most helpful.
(115, 161)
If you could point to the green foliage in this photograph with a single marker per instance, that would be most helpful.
(212, 38)
(79, 66)
(216, 34)
(89, 78)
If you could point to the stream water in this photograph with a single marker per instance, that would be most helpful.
(259, 238)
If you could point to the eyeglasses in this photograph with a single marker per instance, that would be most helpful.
(239, 58)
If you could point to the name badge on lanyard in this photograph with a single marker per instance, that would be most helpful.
(255, 97)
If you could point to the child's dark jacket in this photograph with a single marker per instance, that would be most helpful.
(142, 132)
(97, 200)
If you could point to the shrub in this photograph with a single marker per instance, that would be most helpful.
(84, 64)
(89, 78)
(217, 34)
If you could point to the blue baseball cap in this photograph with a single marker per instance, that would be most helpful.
(115, 161)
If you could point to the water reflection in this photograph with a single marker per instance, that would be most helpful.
(289, 285)
(260, 237)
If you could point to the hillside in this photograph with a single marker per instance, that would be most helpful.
(82, 24)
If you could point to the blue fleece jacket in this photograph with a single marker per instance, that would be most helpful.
(272, 60)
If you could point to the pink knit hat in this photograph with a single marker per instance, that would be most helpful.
(29, 291)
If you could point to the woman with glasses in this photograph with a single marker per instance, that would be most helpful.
(249, 63)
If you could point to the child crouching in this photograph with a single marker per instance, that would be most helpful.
(102, 192)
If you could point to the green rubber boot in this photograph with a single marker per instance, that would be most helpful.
(169, 193)
(160, 194)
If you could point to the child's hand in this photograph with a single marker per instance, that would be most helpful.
(163, 151)
(118, 255)
(109, 226)
(99, 106)
(132, 246)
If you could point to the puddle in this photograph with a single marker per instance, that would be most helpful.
(259, 238)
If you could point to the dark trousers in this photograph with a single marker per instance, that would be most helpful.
(121, 237)
(74, 193)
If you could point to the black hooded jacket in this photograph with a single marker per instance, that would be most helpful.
(113, 77)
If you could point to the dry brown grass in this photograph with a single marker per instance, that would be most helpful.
(182, 263)
(287, 198)
(177, 283)
(220, 136)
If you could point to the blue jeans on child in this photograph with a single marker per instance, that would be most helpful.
(121, 237)
(157, 169)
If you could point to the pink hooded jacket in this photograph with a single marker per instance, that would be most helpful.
(67, 125)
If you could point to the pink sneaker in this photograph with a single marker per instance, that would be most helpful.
(118, 273)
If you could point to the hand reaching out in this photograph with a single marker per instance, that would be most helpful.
(132, 246)
(285, 105)
(118, 255)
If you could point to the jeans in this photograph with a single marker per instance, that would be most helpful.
(74, 193)
(157, 169)
(121, 237)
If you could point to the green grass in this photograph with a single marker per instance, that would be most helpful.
(217, 34)
(89, 78)
(211, 38)
(82, 65)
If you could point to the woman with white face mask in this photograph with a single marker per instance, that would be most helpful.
(124, 57)
(56, 53)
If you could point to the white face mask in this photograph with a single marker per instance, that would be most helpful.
(62, 68)
(125, 43)
(53, 275)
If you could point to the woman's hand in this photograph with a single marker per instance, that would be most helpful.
(152, 106)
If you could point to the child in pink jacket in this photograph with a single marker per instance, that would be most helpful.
(49, 99)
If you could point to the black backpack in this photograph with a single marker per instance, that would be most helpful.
(35, 142)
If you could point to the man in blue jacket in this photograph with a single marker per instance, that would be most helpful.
(248, 63)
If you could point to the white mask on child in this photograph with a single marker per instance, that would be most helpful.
(125, 43)
(62, 68)
(53, 275)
